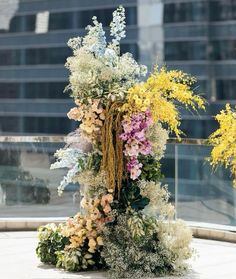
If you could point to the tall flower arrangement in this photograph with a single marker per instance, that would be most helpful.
(126, 225)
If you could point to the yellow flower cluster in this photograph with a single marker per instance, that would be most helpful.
(91, 116)
(224, 141)
(160, 93)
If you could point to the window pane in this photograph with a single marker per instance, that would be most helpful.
(183, 12)
(41, 56)
(222, 10)
(198, 128)
(46, 90)
(16, 24)
(9, 90)
(9, 124)
(185, 51)
(132, 48)
(223, 50)
(225, 89)
(34, 90)
(10, 57)
(61, 21)
(30, 21)
(49, 125)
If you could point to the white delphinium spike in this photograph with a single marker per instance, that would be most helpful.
(95, 40)
(118, 26)
(74, 43)
(67, 158)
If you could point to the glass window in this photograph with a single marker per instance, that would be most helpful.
(198, 128)
(185, 51)
(16, 24)
(21, 24)
(29, 23)
(61, 21)
(34, 90)
(9, 124)
(183, 12)
(104, 16)
(131, 16)
(222, 10)
(9, 90)
(49, 125)
(84, 18)
(46, 90)
(10, 57)
(223, 50)
(132, 48)
(226, 89)
(40, 56)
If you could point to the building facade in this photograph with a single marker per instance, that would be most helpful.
(200, 38)
(197, 36)
(33, 51)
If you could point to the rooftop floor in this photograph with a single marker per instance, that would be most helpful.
(18, 260)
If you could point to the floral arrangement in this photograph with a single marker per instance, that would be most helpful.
(126, 225)
(224, 141)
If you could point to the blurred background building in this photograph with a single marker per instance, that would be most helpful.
(196, 36)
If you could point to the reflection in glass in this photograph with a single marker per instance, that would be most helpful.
(28, 188)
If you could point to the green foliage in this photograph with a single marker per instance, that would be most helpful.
(90, 161)
(128, 256)
(52, 250)
(50, 245)
(151, 170)
(141, 226)
(78, 259)
(75, 260)
(131, 197)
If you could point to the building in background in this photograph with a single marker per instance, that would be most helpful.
(196, 36)
(33, 51)
(200, 38)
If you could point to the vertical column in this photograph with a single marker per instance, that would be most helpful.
(151, 35)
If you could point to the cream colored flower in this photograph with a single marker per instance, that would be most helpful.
(74, 114)
(99, 240)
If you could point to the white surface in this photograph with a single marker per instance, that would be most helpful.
(216, 260)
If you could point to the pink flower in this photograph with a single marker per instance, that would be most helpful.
(135, 173)
(136, 143)
(107, 209)
(134, 167)
(107, 199)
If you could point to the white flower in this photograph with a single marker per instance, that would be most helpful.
(67, 158)
(95, 40)
(118, 26)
